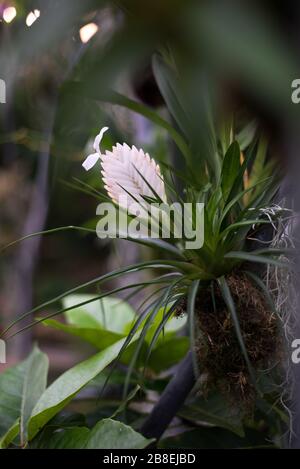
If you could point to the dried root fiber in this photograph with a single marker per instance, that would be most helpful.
(217, 347)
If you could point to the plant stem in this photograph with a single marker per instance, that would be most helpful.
(171, 399)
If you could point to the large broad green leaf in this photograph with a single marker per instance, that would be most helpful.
(106, 434)
(100, 338)
(11, 385)
(62, 421)
(20, 388)
(215, 411)
(101, 323)
(98, 326)
(115, 435)
(108, 313)
(61, 391)
(34, 385)
(69, 438)
(10, 435)
(168, 352)
(217, 438)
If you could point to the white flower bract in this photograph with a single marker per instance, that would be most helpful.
(127, 172)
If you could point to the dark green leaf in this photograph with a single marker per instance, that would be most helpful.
(100, 338)
(20, 388)
(230, 168)
(215, 411)
(106, 434)
(64, 388)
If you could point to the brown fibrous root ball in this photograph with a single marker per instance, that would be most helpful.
(217, 347)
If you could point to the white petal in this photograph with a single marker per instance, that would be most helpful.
(99, 138)
(90, 161)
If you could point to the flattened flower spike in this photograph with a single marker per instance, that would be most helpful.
(127, 171)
